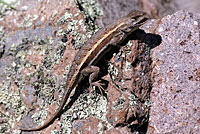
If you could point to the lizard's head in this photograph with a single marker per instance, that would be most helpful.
(136, 18)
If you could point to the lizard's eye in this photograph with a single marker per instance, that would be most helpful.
(136, 17)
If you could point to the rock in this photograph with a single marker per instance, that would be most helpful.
(175, 95)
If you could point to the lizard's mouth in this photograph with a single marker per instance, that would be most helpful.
(144, 20)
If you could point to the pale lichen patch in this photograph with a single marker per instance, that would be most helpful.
(85, 106)
(5, 10)
(10, 99)
(40, 76)
(119, 103)
(38, 81)
(28, 20)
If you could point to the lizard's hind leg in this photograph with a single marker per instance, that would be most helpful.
(92, 72)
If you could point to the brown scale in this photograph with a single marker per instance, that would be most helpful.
(92, 51)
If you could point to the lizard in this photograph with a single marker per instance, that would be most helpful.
(91, 52)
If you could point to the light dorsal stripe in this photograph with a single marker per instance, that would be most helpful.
(99, 42)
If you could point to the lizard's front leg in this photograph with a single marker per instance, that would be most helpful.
(92, 72)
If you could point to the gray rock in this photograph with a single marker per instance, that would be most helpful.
(175, 95)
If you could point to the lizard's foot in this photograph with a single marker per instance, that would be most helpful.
(97, 84)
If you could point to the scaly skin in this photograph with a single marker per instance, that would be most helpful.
(89, 55)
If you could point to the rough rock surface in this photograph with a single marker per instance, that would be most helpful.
(38, 42)
(175, 96)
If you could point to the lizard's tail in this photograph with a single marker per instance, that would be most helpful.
(56, 114)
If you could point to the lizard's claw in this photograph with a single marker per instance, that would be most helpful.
(97, 84)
